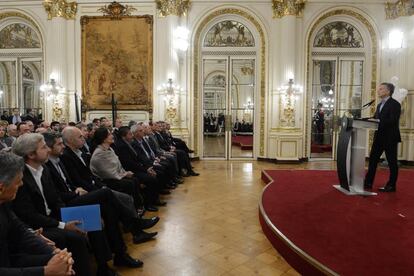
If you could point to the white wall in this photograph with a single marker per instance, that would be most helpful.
(286, 51)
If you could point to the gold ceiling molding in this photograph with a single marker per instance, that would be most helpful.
(282, 8)
(173, 7)
(197, 56)
(116, 10)
(60, 8)
(25, 17)
(400, 8)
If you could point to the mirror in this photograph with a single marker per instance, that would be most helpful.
(21, 69)
(8, 84)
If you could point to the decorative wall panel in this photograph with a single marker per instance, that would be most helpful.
(117, 58)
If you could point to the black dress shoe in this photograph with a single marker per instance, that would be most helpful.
(126, 260)
(105, 271)
(388, 189)
(193, 173)
(160, 203)
(179, 180)
(143, 237)
(148, 223)
(171, 186)
(151, 208)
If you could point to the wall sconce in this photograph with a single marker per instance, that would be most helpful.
(395, 39)
(52, 90)
(181, 38)
(169, 90)
(289, 94)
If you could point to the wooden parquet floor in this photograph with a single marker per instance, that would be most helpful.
(211, 227)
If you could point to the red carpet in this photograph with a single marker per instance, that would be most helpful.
(350, 235)
(316, 148)
(244, 142)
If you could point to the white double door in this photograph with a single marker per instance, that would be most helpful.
(228, 102)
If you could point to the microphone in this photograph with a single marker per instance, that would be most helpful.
(368, 104)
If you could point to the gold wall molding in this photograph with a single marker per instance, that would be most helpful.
(173, 7)
(116, 10)
(197, 51)
(60, 8)
(23, 16)
(399, 8)
(374, 54)
(283, 8)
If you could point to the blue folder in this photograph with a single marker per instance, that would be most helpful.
(89, 215)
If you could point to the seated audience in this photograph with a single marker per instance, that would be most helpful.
(76, 164)
(38, 205)
(22, 252)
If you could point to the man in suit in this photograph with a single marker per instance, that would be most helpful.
(111, 209)
(129, 160)
(15, 118)
(37, 204)
(386, 138)
(22, 252)
(76, 164)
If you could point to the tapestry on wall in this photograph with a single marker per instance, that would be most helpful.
(117, 59)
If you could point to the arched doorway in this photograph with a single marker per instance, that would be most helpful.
(229, 86)
(342, 53)
(21, 64)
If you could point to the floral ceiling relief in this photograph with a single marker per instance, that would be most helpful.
(229, 34)
(18, 36)
(338, 34)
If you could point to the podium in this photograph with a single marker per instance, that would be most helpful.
(351, 155)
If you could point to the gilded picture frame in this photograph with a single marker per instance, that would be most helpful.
(117, 58)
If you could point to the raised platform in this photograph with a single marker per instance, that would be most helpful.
(319, 230)
(245, 142)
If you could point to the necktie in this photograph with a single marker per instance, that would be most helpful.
(143, 148)
(62, 174)
(149, 148)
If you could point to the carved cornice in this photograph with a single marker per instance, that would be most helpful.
(116, 10)
(60, 8)
(173, 7)
(282, 8)
(400, 8)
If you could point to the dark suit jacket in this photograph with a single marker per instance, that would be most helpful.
(129, 158)
(29, 204)
(162, 142)
(142, 157)
(388, 129)
(15, 239)
(60, 185)
(79, 174)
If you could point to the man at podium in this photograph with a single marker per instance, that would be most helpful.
(386, 138)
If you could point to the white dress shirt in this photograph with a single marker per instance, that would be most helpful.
(37, 175)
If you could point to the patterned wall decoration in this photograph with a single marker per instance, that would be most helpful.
(283, 8)
(399, 8)
(27, 72)
(18, 35)
(338, 34)
(117, 58)
(229, 34)
(173, 7)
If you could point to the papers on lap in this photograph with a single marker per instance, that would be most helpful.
(88, 215)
